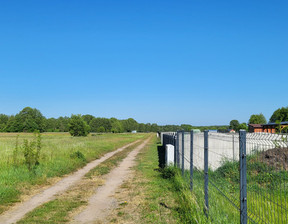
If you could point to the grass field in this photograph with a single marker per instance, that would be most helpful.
(57, 158)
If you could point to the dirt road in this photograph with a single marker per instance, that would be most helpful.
(20, 210)
(101, 203)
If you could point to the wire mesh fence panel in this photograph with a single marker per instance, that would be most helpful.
(224, 187)
(266, 173)
(267, 178)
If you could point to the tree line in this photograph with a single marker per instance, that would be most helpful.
(31, 119)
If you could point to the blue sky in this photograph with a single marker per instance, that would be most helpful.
(165, 62)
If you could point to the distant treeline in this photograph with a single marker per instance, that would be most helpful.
(29, 120)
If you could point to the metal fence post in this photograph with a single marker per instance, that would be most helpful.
(183, 150)
(175, 150)
(206, 171)
(233, 147)
(178, 149)
(191, 159)
(243, 177)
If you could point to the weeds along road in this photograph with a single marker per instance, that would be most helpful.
(17, 212)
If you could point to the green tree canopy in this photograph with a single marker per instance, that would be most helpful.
(98, 122)
(3, 121)
(234, 125)
(101, 129)
(77, 126)
(116, 125)
(242, 126)
(63, 124)
(129, 125)
(280, 114)
(27, 120)
(186, 127)
(51, 125)
(87, 118)
(257, 119)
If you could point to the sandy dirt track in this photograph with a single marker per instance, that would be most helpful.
(17, 212)
(101, 203)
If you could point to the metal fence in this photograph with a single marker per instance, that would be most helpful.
(240, 178)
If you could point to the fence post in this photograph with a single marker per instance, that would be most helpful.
(191, 159)
(233, 147)
(183, 150)
(178, 149)
(243, 177)
(206, 172)
(175, 149)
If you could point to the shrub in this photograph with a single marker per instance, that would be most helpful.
(78, 155)
(101, 129)
(77, 126)
(31, 150)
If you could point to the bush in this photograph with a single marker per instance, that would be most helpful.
(31, 150)
(77, 126)
(78, 155)
(168, 172)
(101, 129)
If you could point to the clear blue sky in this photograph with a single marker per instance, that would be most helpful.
(168, 62)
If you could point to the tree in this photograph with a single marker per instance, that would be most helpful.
(77, 126)
(51, 125)
(3, 121)
(257, 119)
(129, 125)
(142, 127)
(88, 118)
(116, 125)
(234, 124)
(27, 120)
(154, 127)
(186, 127)
(280, 114)
(101, 129)
(242, 126)
(98, 122)
(62, 124)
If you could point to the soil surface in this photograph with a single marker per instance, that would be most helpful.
(103, 202)
(276, 158)
(17, 212)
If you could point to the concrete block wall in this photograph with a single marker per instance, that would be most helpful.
(222, 147)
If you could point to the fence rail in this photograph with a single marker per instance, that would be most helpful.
(247, 170)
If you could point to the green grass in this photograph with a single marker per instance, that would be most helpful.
(56, 159)
(57, 211)
(264, 185)
(151, 196)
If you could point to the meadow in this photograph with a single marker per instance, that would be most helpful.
(60, 154)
